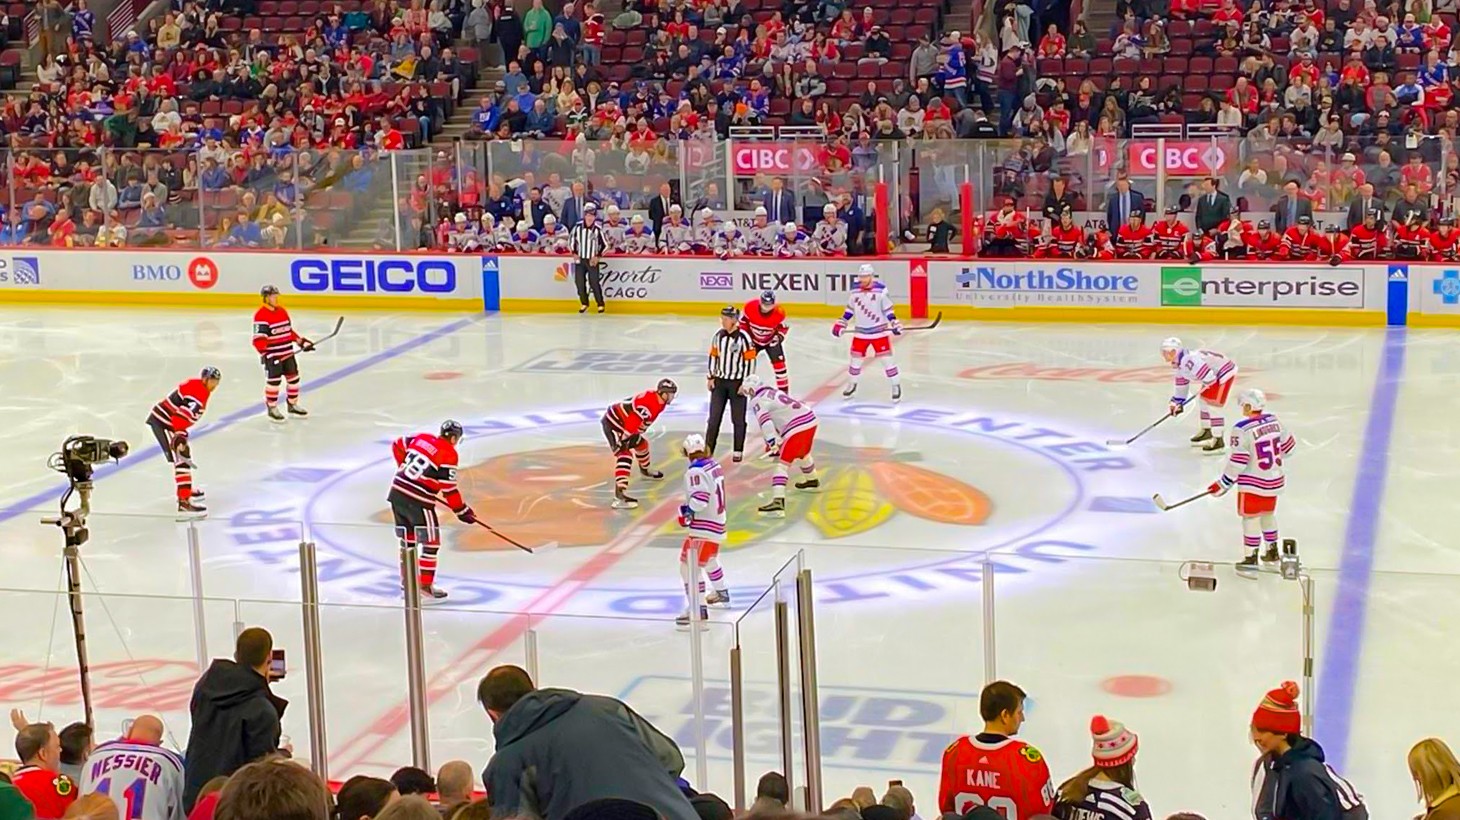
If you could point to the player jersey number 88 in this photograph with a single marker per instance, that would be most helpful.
(416, 464)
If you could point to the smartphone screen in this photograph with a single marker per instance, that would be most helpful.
(276, 665)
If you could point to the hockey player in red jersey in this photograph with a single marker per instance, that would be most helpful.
(1065, 239)
(1006, 233)
(425, 475)
(274, 338)
(1172, 237)
(992, 768)
(1235, 237)
(1301, 242)
(1366, 240)
(1444, 245)
(1133, 240)
(765, 322)
(1411, 237)
(171, 419)
(1266, 243)
(624, 425)
(1337, 244)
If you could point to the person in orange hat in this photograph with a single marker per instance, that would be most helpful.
(1291, 781)
(1105, 790)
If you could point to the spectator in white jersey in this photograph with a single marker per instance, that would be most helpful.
(144, 780)
(1105, 790)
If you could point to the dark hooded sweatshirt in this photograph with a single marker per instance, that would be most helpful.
(558, 749)
(1298, 785)
(235, 721)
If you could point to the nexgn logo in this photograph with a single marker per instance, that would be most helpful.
(1059, 280)
(371, 275)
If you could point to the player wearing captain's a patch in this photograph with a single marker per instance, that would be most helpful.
(869, 313)
(703, 515)
(1213, 374)
(1255, 467)
(789, 427)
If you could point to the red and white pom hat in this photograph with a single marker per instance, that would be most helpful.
(1114, 745)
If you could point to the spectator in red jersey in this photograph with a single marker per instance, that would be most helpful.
(39, 777)
(993, 769)
(1053, 43)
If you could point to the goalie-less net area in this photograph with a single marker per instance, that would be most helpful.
(996, 458)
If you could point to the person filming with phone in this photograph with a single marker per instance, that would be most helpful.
(236, 719)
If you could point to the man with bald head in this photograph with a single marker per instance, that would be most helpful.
(454, 784)
(143, 779)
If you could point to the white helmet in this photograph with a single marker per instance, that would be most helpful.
(750, 384)
(694, 443)
(789, 228)
(1253, 398)
(1171, 343)
(866, 270)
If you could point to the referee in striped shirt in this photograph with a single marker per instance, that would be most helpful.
(732, 358)
(588, 245)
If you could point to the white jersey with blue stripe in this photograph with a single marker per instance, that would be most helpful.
(704, 491)
(1258, 446)
(869, 313)
(1204, 367)
(780, 415)
(143, 780)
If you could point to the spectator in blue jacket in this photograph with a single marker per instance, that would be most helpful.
(1291, 781)
(246, 232)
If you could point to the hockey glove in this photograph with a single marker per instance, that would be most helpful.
(1218, 488)
(468, 516)
(305, 344)
(896, 328)
(777, 339)
(180, 445)
(772, 449)
(836, 329)
(686, 515)
(1177, 407)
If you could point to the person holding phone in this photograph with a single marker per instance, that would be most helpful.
(236, 719)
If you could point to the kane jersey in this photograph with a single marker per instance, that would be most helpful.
(1258, 446)
(273, 334)
(704, 494)
(144, 780)
(1007, 775)
(183, 407)
(426, 471)
(632, 416)
(870, 314)
(766, 327)
(780, 416)
(1205, 367)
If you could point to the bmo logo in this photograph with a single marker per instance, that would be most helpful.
(753, 158)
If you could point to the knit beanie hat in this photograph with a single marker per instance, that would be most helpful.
(1115, 745)
(1278, 711)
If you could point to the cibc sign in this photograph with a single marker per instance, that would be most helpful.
(751, 158)
(1180, 158)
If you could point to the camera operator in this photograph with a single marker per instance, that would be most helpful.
(236, 719)
(170, 421)
(588, 244)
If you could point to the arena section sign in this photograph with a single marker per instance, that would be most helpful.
(407, 281)
(651, 284)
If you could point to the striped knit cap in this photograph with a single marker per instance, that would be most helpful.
(1278, 711)
(1115, 745)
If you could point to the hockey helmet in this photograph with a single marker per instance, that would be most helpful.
(211, 373)
(1447, 221)
(767, 297)
(694, 443)
(1305, 219)
(730, 312)
(451, 429)
(1253, 398)
(269, 290)
(867, 270)
(789, 229)
(750, 384)
(666, 386)
(1171, 343)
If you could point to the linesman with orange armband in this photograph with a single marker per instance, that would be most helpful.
(1366, 240)
(1301, 242)
(1134, 240)
(1172, 237)
(1444, 242)
(1064, 239)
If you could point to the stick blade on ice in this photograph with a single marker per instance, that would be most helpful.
(1159, 501)
(550, 546)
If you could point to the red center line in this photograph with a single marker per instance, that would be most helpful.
(473, 661)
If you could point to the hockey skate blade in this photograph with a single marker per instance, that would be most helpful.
(619, 505)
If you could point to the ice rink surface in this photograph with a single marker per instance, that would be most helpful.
(994, 459)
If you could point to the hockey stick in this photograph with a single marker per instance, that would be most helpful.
(314, 343)
(1115, 442)
(936, 320)
(1164, 507)
(551, 545)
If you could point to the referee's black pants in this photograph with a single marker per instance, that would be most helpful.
(586, 276)
(722, 392)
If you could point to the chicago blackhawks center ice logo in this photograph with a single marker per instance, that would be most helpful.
(910, 498)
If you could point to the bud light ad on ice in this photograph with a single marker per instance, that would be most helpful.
(373, 275)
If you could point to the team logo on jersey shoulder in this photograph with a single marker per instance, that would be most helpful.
(1031, 754)
(63, 785)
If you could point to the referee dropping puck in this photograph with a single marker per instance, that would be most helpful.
(588, 245)
(732, 358)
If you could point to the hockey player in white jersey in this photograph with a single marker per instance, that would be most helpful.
(703, 515)
(614, 229)
(789, 429)
(525, 239)
(639, 238)
(554, 238)
(1255, 466)
(464, 236)
(676, 235)
(728, 240)
(144, 780)
(869, 313)
(793, 242)
(705, 232)
(1214, 375)
(829, 238)
(761, 236)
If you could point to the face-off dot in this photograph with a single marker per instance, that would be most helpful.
(443, 375)
(1136, 686)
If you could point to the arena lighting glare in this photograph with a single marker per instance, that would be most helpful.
(76, 458)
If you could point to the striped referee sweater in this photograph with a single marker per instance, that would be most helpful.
(732, 355)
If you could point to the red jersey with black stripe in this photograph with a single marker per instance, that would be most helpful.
(426, 467)
(273, 333)
(633, 415)
(763, 325)
(183, 407)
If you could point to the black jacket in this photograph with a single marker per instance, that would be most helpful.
(558, 749)
(1298, 785)
(235, 721)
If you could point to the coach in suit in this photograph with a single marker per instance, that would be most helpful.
(574, 207)
(1121, 203)
(1363, 202)
(659, 207)
(780, 204)
(1285, 211)
(1212, 207)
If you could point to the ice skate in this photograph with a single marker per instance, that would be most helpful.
(776, 506)
(1204, 435)
(718, 598)
(275, 414)
(1249, 564)
(430, 593)
(682, 621)
(199, 495)
(1271, 556)
(896, 393)
(190, 508)
(624, 501)
(651, 474)
(850, 389)
(809, 484)
(296, 410)
(1216, 445)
